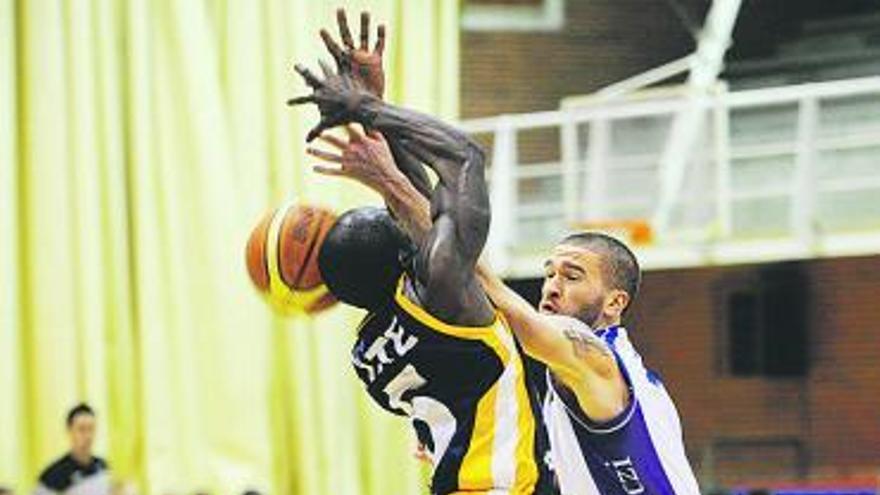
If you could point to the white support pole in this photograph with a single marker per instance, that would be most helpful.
(683, 134)
(647, 78)
(804, 194)
(571, 170)
(503, 197)
(597, 165)
(713, 42)
(723, 184)
(706, 65)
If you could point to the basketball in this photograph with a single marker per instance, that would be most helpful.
(282, 258)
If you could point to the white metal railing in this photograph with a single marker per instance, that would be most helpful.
(797, 164)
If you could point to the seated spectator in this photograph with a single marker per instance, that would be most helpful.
(79, 472)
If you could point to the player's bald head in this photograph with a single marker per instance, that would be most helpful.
(620, 268)
(360, 257)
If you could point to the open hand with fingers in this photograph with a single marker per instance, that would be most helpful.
(359, 76)
(338, 96)
(364, 157)
(359, 62)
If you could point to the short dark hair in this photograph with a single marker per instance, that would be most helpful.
(5, 490)
(81, 408)
(361, 257)
(621, 268)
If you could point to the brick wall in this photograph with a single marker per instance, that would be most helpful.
(603, 41)
(834, 412)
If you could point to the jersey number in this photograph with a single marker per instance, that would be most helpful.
(434, 413)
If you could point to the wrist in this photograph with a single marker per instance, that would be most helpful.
(383, 178)
(390, 182)
(367, 109)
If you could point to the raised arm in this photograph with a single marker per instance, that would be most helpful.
(568, 346)
(410, 166)
(369, 159)
(459, 209)
(364, 65)
(578, 358)
(444, 266)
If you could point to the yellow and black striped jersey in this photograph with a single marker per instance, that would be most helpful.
(464, 389)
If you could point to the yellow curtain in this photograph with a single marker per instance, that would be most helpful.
(140, 140)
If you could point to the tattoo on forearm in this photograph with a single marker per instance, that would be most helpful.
(586, 342)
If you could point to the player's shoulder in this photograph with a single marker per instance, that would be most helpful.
(412, 309)
(59, 475)
(617, 338)
(630, 358)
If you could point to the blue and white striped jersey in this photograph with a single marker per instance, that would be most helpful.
(639, 452)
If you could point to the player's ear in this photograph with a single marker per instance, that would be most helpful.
(615, 303)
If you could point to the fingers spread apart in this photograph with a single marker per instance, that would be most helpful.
(333, 141)
(324, 155)
(333, 48)
(380, 40)
(301, 100)
(310, 78)
(365, 31)
(329, 170)
(344, 32)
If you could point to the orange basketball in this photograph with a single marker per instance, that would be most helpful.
(282, 258)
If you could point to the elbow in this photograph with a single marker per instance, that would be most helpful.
(473, 232)
(445, 273)
(605, 366)
(475, 153)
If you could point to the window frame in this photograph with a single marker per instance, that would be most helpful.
(550, 16)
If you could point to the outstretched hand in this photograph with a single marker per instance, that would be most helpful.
(365, 157)
(338, 97)
(360, 63)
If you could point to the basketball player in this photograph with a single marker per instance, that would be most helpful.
(613, 427)
(432, 347)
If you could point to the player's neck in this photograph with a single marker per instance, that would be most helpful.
(81, 458)
(604, 324)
